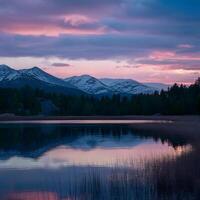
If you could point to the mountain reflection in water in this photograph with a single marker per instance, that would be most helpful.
(60, 162)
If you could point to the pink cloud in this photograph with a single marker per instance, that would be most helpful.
(142, 73)
(171, 60)
(33, 196)
(167, 55)
(49, 30)
(161, 55)
(52, 26)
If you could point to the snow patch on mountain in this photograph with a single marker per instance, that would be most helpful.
(6, 72)
(128, 86)
(89, 84)
(105, 86)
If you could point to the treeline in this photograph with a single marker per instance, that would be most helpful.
(178, 100)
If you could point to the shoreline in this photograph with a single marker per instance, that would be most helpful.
(5, 117)
(184, 126)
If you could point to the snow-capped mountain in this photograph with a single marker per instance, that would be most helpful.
(39, 74)
(85, 84)
(35, 78)
(127, 86)
(90, 85)
(7, 73)
(104, 86)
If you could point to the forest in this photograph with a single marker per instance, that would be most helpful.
(178, 100)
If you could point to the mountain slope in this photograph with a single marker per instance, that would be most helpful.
(108, 86)
(127, 86)
(7, 73)
(39, 74)
(34, 83)
(90, 85)
(35, 78)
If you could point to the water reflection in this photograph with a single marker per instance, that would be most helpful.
(106, 153)
(62, 162)
(33, 196)
(51, 146)
(29, 140)
(85, 121)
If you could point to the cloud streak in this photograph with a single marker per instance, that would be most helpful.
(131, 30)
(60, 65)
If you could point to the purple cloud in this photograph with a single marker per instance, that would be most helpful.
(61, 65)
(107, 29)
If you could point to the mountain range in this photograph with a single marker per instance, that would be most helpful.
(76, 85)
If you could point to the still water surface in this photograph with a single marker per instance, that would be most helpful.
(65, 162)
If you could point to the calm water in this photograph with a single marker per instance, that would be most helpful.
(84, 121)
(97, 161)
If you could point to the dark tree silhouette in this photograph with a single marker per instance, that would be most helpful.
(178, 100)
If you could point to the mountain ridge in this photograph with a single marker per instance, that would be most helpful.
(36, 78)
(83, 84)
(89, 84)
(127, 86)
(103, 86)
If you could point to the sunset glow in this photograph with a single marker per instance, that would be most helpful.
(149, 41)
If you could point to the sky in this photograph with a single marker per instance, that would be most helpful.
(146, 40)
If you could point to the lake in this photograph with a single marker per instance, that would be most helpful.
(75, 160)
